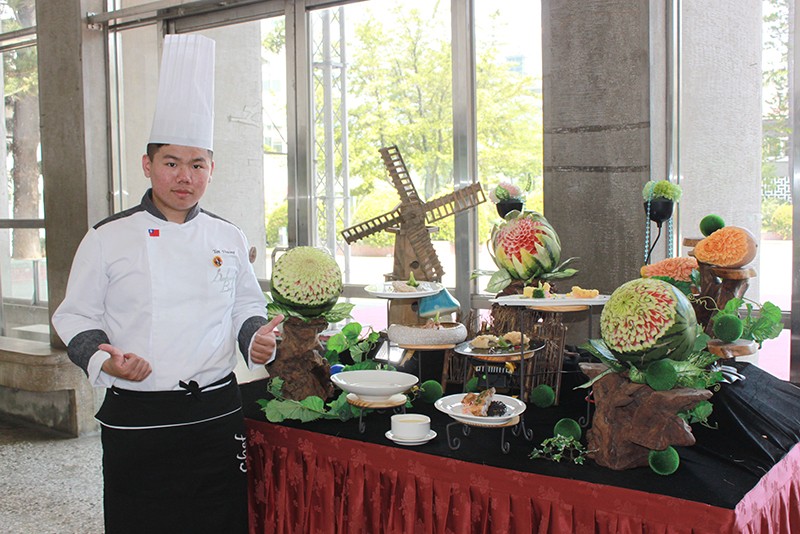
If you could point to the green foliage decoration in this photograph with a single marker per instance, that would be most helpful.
(568, 427)
(661, 189)
(543, 396)
(699, 414)
(351, 339)
(561, 447)
(758, 327)
(664, 462)
(278, 408)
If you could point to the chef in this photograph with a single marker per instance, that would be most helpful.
(158, 299)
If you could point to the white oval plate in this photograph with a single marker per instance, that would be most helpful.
(451, 405)
(387, 290)
(374, 385)
(555, 301)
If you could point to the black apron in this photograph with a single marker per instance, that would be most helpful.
(174, 461)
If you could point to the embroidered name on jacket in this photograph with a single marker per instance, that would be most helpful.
(225, 279)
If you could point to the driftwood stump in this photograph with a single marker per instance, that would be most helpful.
(300, 362)
(632, 419)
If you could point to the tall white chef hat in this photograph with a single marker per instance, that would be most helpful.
(185, 103)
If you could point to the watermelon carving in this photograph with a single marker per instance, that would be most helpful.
(307, 280)
(646, 320)
(525, 247)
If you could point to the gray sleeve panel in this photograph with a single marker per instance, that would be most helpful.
(249, 328)
(83, 346)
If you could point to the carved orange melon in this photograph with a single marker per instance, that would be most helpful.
(679, 268)
(731, 246)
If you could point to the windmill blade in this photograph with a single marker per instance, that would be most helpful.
(420, 240)
(374, 225)
(457, 201)
(396, 167)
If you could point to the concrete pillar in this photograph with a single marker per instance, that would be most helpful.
(720, 127)
(597, 127)
(74, 132)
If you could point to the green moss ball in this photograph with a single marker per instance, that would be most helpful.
(710, 224)
(664, 462)
(430, 391)
(543, 396)
(661, 375)
(472, 385)
(728, 328)
(568, 427)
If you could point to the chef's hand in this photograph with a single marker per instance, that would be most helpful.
(264, 342)
(128, 366)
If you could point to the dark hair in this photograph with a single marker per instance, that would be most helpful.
(152, 148)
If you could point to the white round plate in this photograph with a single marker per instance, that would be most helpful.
(387, 290)
(374, 385)
(451, 405)
(403, 441)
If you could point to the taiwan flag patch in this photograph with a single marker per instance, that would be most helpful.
(153, 232)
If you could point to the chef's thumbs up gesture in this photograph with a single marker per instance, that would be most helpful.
(125, 365)
(264, 342)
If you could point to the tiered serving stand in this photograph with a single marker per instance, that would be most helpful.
(547, 369)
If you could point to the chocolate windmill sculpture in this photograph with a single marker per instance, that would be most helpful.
(410, 222)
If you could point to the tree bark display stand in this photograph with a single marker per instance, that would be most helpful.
(632, 419)
(300, 362)
(718, 285)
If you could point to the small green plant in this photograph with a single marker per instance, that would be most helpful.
(662, 189)
(350, 340)
(559, 448)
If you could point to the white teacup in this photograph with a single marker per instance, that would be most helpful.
(411, 426)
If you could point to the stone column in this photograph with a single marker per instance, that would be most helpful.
(597, 128)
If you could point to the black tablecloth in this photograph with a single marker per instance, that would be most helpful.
(757, 419)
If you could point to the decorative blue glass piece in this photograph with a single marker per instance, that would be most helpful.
(442, 303)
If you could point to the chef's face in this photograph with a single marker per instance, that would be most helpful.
(180, 175)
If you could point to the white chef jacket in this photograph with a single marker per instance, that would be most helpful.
(178, 295)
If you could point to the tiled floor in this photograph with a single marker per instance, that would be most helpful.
(49, 484)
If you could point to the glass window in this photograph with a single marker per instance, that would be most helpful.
(250, 176)
(17, 15)
(509, 107)
(381, 78)
(775, 276)
(23, 264)
(734, 136)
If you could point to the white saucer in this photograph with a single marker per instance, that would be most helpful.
(403, 441)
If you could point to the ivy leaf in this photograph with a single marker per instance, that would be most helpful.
(699, 414)
(340, 409)
(337, 343)
(769, 324)
(352, 331)
(275, 386)
(499, 281)
(732, 307)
